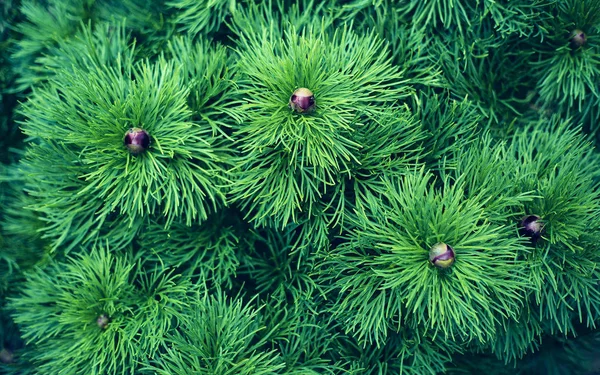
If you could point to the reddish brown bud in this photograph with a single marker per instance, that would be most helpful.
(302, 100)
(102, 321)
(531, 226)
(137, 140)
(441, 255)
(578, 38)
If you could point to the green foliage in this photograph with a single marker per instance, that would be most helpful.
(274, 268)
(558, 165)
(484, 166)
(409, 47)
(448, 124)
(557, 87)
(20, 249)
(45, 26)
(19, 241)
(285, 165)
(558, 356)
(523, 336)
(94, 174)
(207, 73)
(9, 135)
(219, 337)
(249, 238)
(567, 73)
(204, 251)
(202, 17)
(382, 279)
(486, 71)
(404, 352)
(507, 17)
(50, 24)
(277, 16)
(98, 45)
(391, 143)
(61, 305)
(307, 343)
(446, 13)
(572, 276)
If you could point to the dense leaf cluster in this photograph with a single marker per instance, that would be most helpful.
(250, 238)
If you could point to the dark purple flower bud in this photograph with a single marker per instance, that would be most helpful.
(302, 100)
(441, 255)
(531, 226)
(578, 38)
(103, 321)
(137, 140)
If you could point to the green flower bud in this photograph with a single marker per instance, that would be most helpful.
(102, 321)
(302, 100)
(441, 255)
(531, 226)
(137, 140)
(578, 38)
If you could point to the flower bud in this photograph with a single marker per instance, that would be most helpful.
(137, 140)
(578, 38)
(441, 255)
(102, 321)
(302, 100)
(6, 356)
(531, 226)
